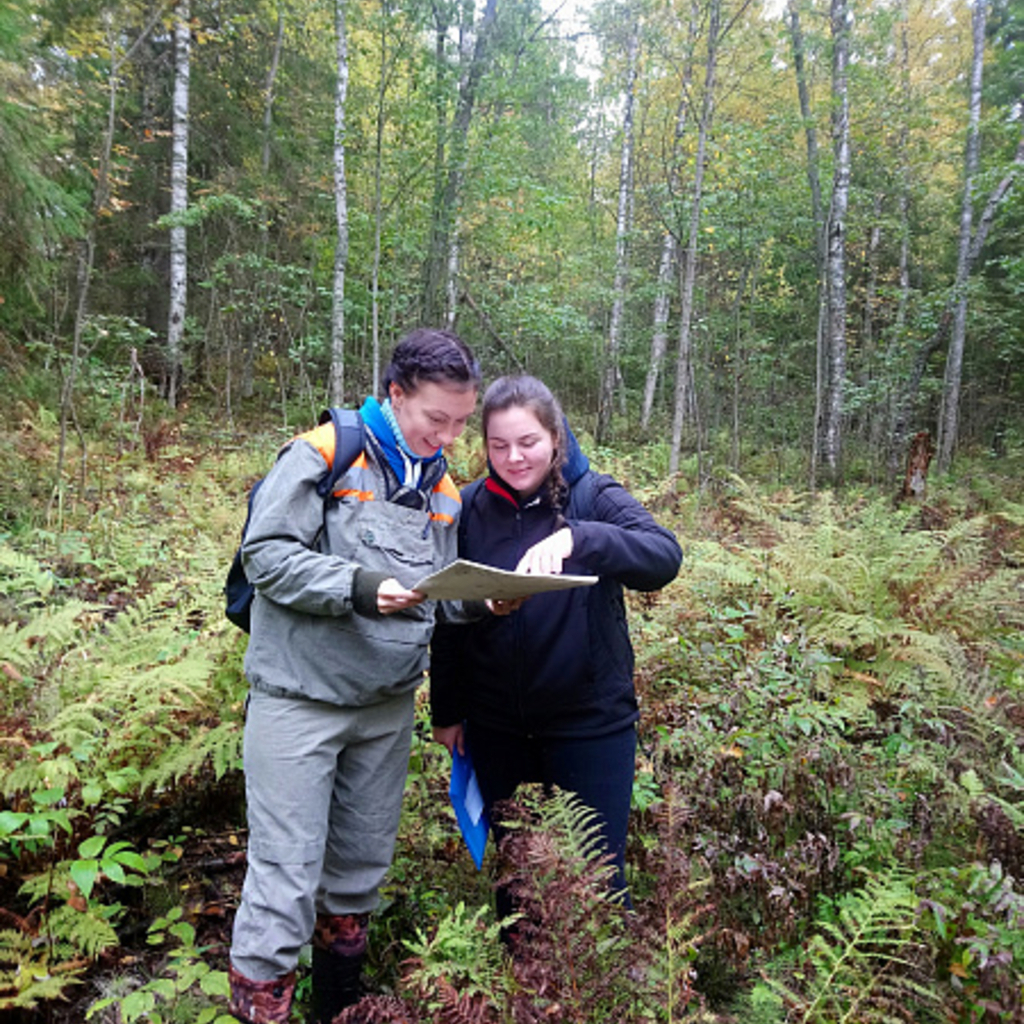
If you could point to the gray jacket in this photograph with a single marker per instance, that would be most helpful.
(316, 631)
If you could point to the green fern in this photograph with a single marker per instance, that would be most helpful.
(463, 951)
(27, 977)
(859, 966)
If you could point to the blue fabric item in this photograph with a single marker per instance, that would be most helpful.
(576, 463)
(389, 415)
(373, 417)
(385, 428)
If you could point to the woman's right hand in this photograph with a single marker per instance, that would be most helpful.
(451, 737)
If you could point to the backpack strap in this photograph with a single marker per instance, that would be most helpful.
(348, 444)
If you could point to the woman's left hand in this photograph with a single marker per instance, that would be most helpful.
(547, 556)
(393, 597)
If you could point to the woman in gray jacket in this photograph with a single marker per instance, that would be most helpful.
(338, 646)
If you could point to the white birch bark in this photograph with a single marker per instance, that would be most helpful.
(659, 339)
(337, 389)
(835, 257)
(378, 192)
(179, 199)
(949, 410)
(685, 406)
(669, 244)
(611, 377)
(467, 47)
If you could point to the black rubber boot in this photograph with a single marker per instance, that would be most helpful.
(335, 984)
(339, 949)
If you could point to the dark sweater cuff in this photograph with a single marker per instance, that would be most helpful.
(365, 585)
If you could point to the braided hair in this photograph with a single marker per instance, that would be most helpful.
(435, 355)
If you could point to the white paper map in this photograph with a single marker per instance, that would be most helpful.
(470, 581)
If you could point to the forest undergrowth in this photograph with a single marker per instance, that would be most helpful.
(828, 817)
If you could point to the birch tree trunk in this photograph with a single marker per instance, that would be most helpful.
(835, 259)
(895, 440)
(942, 331)
(378, 192)
(659, 339)
(685, 399)
(467, 46)
(337, 391)
(436, 270)
(611, 377)
(949, 409)
(810, 132)
(179, 199)
(669, 244)
(270, 93)
(818, 221)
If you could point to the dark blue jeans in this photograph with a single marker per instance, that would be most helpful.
(599, 770)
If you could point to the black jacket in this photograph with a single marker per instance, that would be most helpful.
(562, 665)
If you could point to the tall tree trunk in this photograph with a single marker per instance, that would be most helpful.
(340, 210)
(85, 263)
(818, 221)
(436, 270)
(378, 191)
(810, 133)
(872, 422)
(895, 453)
(942, 330)
(611, 377)
(670, 243)
(179, 199)
(949, 409)
(659, 339)
(835, 260)
(270, 91)
(431, 266)
(685, 399)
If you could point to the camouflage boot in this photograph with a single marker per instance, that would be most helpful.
(261, 1002)
(339, 949)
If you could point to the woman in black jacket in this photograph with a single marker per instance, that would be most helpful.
(546, 694)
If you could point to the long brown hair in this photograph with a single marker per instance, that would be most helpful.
(525, 392)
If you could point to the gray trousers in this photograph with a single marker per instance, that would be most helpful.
(324, 789)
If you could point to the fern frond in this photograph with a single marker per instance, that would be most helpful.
(219, 747)
(859, 962)
(87, 932)
(577, 824)
(26, 975)
(22, 574)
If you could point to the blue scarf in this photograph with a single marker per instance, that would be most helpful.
(380, 418)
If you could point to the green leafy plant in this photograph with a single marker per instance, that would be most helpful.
(459, 965)
(186, 978)
(859, 966)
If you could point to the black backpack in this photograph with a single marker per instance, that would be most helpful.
(348, 429)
